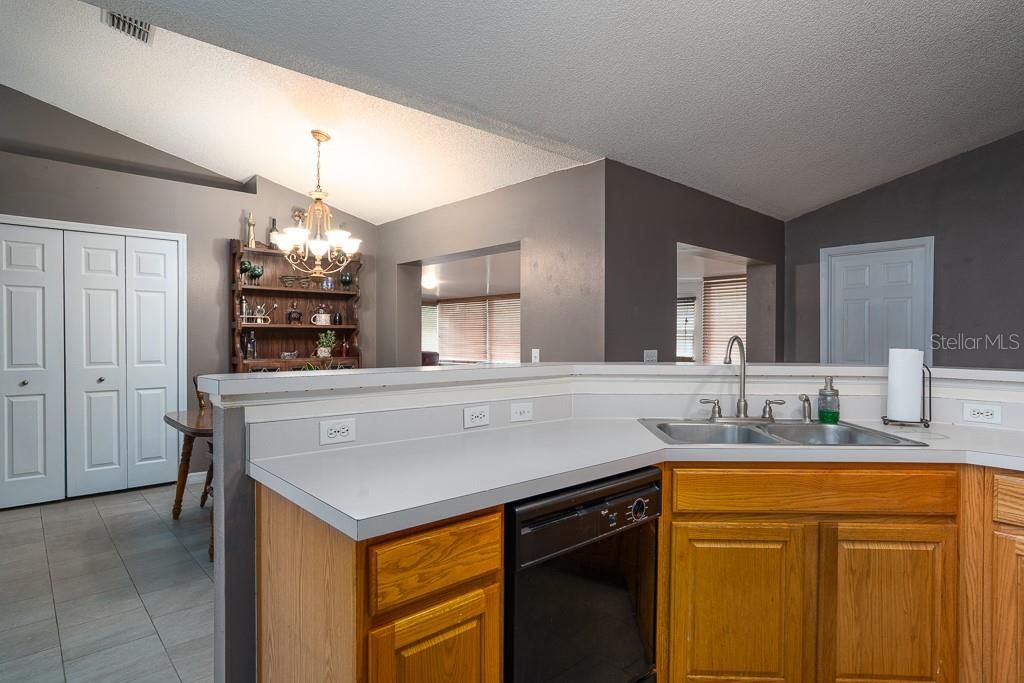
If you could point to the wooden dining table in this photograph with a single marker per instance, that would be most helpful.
(192, 424)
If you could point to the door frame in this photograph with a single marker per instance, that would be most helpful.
(182, 241)
(827, 254)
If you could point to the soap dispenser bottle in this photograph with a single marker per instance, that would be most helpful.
(828, 403)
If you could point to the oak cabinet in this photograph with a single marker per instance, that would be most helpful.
(740, 601)
(1007, 606)
(836, 574)
(888, 602)
(458, 640)
(422, 606)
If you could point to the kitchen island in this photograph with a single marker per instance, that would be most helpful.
(413, 469)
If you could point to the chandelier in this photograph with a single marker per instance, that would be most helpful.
(312, 246)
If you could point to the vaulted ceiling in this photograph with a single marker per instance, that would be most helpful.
(239, 116)
(779, 106)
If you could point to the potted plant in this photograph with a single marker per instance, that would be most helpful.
(325, 342)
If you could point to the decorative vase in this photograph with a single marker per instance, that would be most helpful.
(346, 279)
(323, 352)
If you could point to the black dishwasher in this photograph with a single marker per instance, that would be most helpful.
(581, 577)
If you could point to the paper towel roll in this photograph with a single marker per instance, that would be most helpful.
(904, 400)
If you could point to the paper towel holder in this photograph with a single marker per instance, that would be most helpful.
(926, 402)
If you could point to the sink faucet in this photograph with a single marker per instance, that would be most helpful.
(741, 402)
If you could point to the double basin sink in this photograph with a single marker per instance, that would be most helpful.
(771, 433)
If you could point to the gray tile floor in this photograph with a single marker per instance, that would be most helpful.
(107, 589)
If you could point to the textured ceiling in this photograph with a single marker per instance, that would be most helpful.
(779, 106)
(239, 116)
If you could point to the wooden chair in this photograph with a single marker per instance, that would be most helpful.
(193, 424)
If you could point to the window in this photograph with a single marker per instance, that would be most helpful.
(428, 323)
(686, 319)
(476, 330)
(725, 314)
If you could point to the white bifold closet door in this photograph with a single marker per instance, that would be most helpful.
(121, 354)
(31, 365)
(152, 362)
(94, 319)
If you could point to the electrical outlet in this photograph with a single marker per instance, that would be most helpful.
(650, 355)
(535, 355)
(986, 413)
(337, 431)
(521, 412)
(476, 416)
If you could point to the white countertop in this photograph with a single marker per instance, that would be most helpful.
(377, 489)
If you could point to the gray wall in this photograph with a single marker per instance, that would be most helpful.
(645, 217)
(973, 204)
(558, 221)
(34, 128)
(31, 185)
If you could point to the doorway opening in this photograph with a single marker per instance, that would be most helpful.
(712, 292)
(470, 309)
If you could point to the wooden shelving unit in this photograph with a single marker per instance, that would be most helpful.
(280, 336)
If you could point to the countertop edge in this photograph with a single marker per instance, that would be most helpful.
(409, 518)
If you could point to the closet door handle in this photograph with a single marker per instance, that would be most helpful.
(23, 383)
(101, 380)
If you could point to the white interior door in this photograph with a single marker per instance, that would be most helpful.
(152, 348)
(94, 304)
(876, 297)
(31, 365)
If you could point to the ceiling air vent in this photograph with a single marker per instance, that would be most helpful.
(130, 26)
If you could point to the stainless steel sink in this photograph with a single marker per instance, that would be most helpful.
(817, 434)
(707, 432)
(778, 433)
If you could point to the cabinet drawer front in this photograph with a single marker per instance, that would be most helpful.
(432, 561)
(1008, 499)
(753, 489)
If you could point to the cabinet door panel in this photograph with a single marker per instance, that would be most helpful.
(888, 602)
(740, 601)
(95, 355)
(457, 641)
(152, 359)
(31, 365)
(1007, 607)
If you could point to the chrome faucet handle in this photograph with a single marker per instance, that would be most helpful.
(806, 405)
(716, 407)
(766, 412)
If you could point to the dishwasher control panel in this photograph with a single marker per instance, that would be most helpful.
(629, 509)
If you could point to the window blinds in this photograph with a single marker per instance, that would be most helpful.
(686, 313)
(428, 325)
(484, 329)
(725, 314)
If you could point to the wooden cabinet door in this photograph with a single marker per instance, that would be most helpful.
(1007, 606)
(741, 601)
(888, 603)
(458, 641)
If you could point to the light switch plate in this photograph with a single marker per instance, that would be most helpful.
(650, 355)
(521, 412)
(535, 355)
